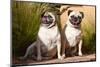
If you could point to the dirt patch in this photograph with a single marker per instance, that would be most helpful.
(84, 58)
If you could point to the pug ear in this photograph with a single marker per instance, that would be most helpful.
(82, 14)
(69, 12)
(42, 14)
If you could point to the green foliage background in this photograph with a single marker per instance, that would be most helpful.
(89, 35)
(25, 24)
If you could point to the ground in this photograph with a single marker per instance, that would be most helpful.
(91, 57)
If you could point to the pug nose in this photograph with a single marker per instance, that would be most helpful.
(75, 19)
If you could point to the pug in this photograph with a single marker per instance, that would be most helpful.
(73, 33)
(48, 42)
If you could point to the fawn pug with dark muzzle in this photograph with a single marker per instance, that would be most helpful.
(48, 43)
(73, 33)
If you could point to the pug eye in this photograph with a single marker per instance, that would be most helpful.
(49, 16)
(72, 16)
(79, 17)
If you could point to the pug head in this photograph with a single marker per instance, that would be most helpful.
(75, 17)
(48, 18)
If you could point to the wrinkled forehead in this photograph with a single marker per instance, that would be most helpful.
(76, 13)
(49, 13)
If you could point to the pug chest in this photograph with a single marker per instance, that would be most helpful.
(73, 36)
(48, 36)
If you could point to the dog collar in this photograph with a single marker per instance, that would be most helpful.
(52, 26)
